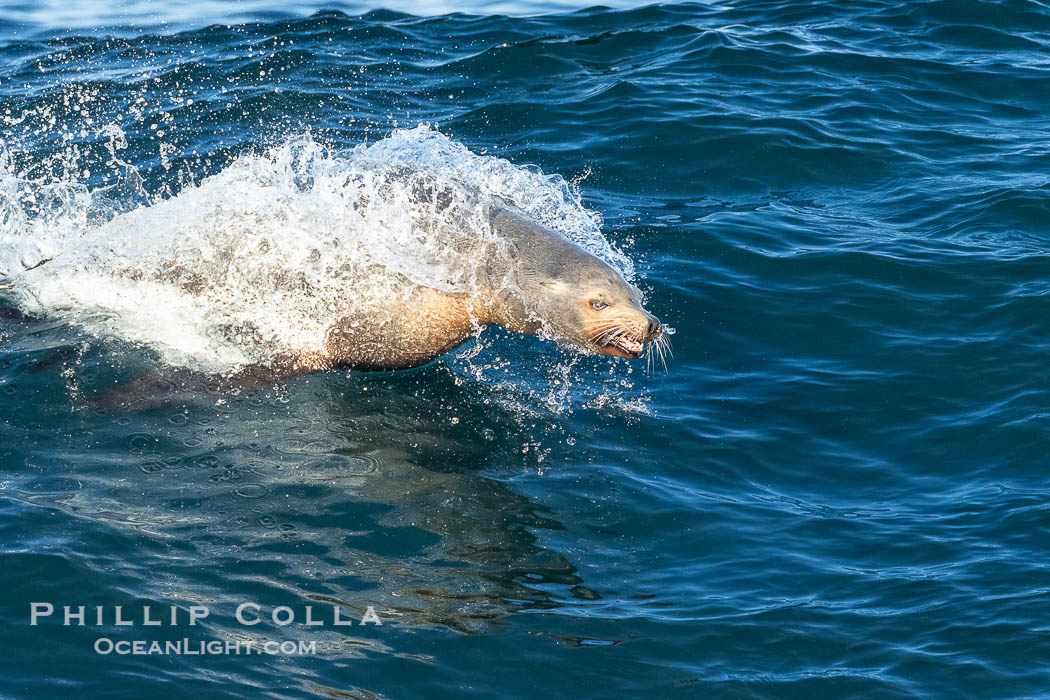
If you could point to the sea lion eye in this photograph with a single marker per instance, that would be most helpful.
(598, 305)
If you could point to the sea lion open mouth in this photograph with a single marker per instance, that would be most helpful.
(621, 345)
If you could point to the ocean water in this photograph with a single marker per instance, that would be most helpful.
(837, 488)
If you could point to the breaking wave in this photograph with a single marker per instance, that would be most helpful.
(260, 258)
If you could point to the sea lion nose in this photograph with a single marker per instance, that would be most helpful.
(655, 327)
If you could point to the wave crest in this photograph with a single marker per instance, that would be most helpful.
(260, 258)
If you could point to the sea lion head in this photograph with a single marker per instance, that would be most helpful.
(589, 304)
(557, 289)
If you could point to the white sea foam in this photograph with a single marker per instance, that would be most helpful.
(259, 258)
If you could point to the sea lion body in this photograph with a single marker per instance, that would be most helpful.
(526, 277)
(427, 324)
(532, 281)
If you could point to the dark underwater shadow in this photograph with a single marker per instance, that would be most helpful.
(388, 489)
(441, 456)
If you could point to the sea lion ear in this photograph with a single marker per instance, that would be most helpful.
(553, 285)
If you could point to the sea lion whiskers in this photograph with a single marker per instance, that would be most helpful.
(602, 329)
(611, 323)
(661, 347)
(611, 329)
(597, 329)
(608, 334)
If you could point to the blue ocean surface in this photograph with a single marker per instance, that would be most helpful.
(836, 489)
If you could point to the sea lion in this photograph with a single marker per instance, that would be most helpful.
(534, 282)
(525, 277)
